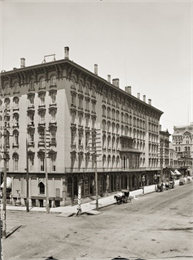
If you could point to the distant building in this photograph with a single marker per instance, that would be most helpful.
(182, 141)
(74, 111)
(164, 153)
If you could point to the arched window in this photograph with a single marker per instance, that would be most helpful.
(117, 115)
(16, 87)
(108, 141)
(104, 125)
(104, 160)
(113, 127)
(7, 103)
(53, 80)
(113, 161)
(108, 112)
(87, 158)
(42, 83)
(16, 102)
(15, 161)
(80, 159)
(16, 137)
(41, 188)
(104, 140)
(31, 85)
(108, 161)
(108, 126)
(104, 111)
(6, 90)
(113, 142)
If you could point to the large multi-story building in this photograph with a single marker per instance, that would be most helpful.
(81, 115)
(182, 141)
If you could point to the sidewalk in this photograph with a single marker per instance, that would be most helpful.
(88, 207)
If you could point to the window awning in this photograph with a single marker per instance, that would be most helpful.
(172, 173)
(177, 172)
(9, 182)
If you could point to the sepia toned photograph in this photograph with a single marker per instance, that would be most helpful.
(96, 129)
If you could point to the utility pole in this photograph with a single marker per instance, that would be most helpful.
(46, 171)
(6, 157)
(96, 180)
(27, 178)
(94, 145)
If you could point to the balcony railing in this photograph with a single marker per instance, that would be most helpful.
(111, 169)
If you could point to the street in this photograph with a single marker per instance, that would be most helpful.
(157, 225)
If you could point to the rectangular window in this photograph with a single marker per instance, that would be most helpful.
(31, 164)
(42, 164)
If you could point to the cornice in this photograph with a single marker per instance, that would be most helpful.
(71, 68)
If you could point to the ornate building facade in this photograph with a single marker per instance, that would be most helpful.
(182, 141)
(164, 154)
(72, 115)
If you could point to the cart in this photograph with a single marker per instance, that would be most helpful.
(122, 197)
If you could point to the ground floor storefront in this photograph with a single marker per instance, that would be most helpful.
(63, 188)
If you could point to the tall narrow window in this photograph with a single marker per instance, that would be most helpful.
(31, 85)
(41, 188)
(16, 137)
(42, 163)
(93, 107)
(6, 89)
(31, 162)
(53, 97)
(16, 87)
(53, 80)
(42, 116)
(42, 83)
(15, 102)
(42, 99)
(15, 161)
(87, 138)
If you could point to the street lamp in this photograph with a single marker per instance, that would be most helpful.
(155, 179)
(143, 181)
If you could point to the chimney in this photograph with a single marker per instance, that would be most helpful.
(66, 52)
(149, 102)
(109, 78)
(96, 69)
(128, 89)
(22, 63)
(144, 98)
(116, 82)
(138, 95)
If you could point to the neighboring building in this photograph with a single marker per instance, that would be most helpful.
(175, 161)
(182, 141)
(71, 104)
(164, 153)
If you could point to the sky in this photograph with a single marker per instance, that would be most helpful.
(148, 45)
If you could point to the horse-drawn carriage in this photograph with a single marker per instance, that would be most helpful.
(159, 187)
(169, 184)
(122, 197)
